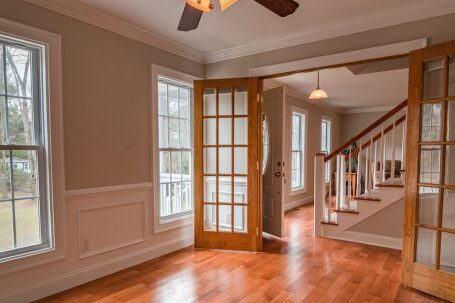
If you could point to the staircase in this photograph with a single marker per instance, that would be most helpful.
(361, 177)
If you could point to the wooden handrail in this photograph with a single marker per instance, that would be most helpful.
(367, 130)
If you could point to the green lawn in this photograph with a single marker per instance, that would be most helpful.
(27, 224)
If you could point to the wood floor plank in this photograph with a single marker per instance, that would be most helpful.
(296, 268)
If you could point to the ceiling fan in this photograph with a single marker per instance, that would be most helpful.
(194, 9)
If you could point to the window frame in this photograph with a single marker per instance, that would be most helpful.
(304, 144)
(50, 75)
(162, 224)
(329, 121)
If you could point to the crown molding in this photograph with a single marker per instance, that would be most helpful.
(387, 17)
(88, 14)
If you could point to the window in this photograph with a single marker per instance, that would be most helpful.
(326, 138)
(298, 145)
(175, 148)
(24, 206)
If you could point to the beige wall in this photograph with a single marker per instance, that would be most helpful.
(106, 96)
(438, 29)
(314, 116)
(352, 124)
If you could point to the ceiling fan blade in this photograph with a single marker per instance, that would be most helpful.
(190, 18)
(282, 8)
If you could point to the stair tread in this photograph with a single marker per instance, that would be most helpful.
(347, 211)
(329, 223)
(365, 198)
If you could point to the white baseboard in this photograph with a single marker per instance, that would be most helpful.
(89, 273)
(298, 203)
(370, 239)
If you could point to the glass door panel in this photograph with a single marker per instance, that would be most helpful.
(229, 188)
(429, 235)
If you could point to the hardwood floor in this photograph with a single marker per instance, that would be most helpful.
(298, 268)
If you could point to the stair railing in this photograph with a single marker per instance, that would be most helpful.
(359, 166)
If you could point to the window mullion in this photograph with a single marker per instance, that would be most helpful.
(5, 82)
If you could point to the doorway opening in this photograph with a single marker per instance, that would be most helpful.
(359, 93)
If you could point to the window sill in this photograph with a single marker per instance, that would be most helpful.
(167, 224)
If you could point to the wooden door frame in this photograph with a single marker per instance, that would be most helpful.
(204, 239)
(414, 274)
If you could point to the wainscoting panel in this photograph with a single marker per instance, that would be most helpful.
(111, 227)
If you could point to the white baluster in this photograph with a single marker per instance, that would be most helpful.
(359, 171)
(392, 163)
(383, 164)
(330, 190)
(338, 182)
(350, 177)
(375, 165)
(343, 182)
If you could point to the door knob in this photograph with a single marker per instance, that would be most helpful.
(278, 174)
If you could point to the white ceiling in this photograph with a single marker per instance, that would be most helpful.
(246, 27)
(347, 91)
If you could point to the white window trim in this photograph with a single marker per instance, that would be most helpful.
(159, 224)
(329, 119)
(303, 189)
(53, 120)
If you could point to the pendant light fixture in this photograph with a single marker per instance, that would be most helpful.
(226, 3)
(207, 5)
(318, 93)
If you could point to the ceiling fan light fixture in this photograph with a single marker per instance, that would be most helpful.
(226, 3)
(318, 93)
(202, 5)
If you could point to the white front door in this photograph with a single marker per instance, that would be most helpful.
(274, 177)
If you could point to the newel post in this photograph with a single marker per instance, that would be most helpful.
(319, 191)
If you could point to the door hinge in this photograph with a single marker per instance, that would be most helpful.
(257, 231)
(257, 165)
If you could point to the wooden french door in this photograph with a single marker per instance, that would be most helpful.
(429, 228)
(227, 138)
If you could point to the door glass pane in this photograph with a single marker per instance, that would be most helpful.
(428, 206)
(433, 76)
(448, 252)
(452, 76)
(209, 185)
(210, 217)
(450, 165)
(430, 156)
(225, 160)
(209, 160)
(225, 131)
(241, 102)
(225, 101)
(448, 212)
(431, 122)
(225, 189)
(209, 104)
(241, 131)
(240, 160)
(451, 121)
(209, 131)
(240, 219)
(426, 246)
(27, 222)
(240, 190)
(225, 213)
(6, 226)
